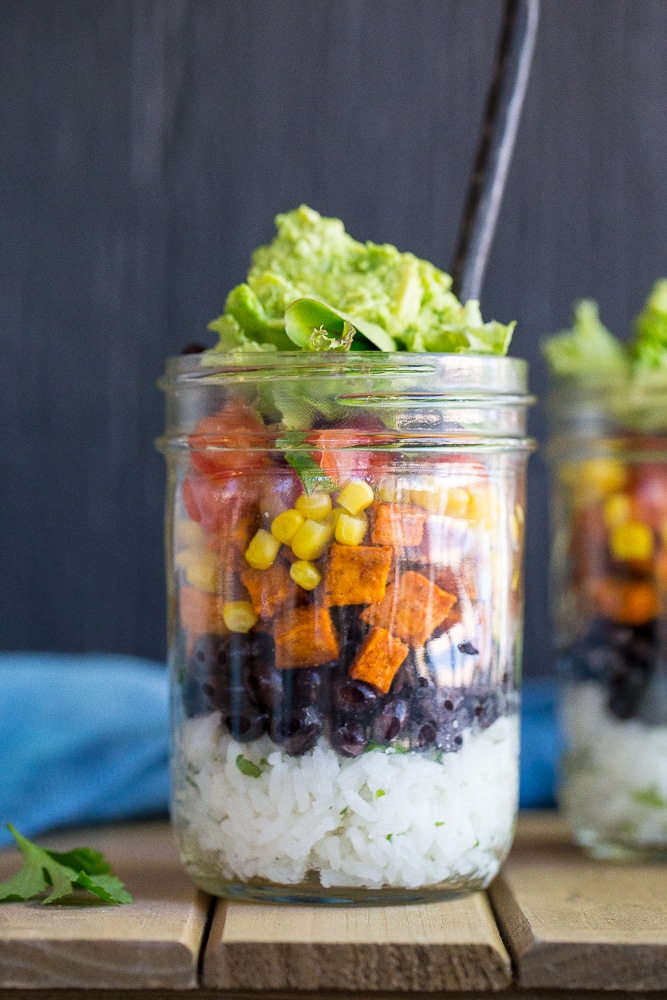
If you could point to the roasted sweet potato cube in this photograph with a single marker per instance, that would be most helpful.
(398, 525)
(356, 574)
(269, 588)
(378, 659)
(630, 602)
(411, 609)
(305, 637)
(199, 612)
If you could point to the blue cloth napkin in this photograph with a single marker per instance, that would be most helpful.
(82, 739)
(85, 738)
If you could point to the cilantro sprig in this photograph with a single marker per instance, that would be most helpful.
(63, 873)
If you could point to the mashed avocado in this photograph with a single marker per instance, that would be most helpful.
(316, 288)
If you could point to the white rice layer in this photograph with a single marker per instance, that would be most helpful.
(382, 819)
(615, 771)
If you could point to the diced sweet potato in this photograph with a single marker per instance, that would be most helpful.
(305, 637)
(398, 525)
(356, 574)
(378, 659)
(629, 602)
(411, 609)
(200, 612)
(269, 588)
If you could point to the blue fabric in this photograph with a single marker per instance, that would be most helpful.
(82, 739)
(85, 739)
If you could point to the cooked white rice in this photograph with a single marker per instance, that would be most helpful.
(383, 819)
(614, 785)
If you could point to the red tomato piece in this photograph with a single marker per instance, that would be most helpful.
(219, 503)
(649, 494)
(238, 430)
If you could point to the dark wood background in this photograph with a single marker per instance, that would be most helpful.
(145, 146)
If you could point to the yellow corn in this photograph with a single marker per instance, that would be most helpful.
(305, 574)
(631, 541)
(311, 539)
(285, 525)
(595, 478)
(201, 568)
(262, 550)
(458, 501)
(355, 497)
(617, 509)
(239, 616)
(315, 507)
(350, 530)
(481, 507)
(431, 496)
(189, 535)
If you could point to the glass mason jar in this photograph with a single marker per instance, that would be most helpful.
(344, 553)
(609, 596)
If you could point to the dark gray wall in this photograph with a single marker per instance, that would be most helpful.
(145, 146)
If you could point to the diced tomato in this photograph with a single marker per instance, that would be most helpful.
(649, 494)
(333, 449)
(237, 430)
(219, 503)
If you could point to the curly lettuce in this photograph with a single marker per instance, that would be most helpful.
(632, 375)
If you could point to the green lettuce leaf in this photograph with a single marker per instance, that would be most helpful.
(648, 345)
(587, 349)
(307, 317)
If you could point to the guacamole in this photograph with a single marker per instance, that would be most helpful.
(316, 288)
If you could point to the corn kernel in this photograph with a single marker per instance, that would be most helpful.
(239, 616)
(458, 501)
(350, 530)
(481, 507)
(285, 525)
(332, 517)
(201, 569)
(631, 541)
(617, 509)
(262, 550)
(305, 574)
(311, 539)
(595, 478)
(315, 507)
(355, 497)
(189, 535)
(389, 490)
(432, 498)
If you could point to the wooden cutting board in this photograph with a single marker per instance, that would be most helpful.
(152, 943)
(567, 924)
(573, 923)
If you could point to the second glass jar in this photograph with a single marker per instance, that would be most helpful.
(609, 584)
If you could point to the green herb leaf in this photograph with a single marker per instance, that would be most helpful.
(380, 792)
(248, 767)
(106, 887)
(62, 873)
(650, 797)
(304, 464)
(440, 822)
(388, 837)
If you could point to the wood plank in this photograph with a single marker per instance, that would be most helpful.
(451, 945)
(576, 923)
(152, 943)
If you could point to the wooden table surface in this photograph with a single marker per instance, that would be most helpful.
(553, 924)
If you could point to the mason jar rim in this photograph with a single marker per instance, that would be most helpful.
(478, 374)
